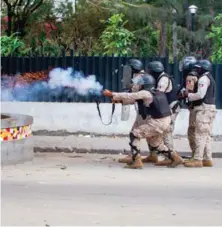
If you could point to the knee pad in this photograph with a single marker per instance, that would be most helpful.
(135, 151)
(132, 137)
(152, 148)
(165, 153)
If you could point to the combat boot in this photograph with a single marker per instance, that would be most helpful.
(152, 158)
(137, 164)
(191, 158)
(164, 162)
(126, 159)
(176, 159)
(194, 163)
(207, 163)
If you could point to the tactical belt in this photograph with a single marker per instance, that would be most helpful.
(99, 112)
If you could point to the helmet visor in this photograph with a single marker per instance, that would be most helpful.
(138, 80)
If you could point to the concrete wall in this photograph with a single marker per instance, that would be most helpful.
(81, 117)
(16, 151)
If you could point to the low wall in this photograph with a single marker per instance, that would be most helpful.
(83, 117)
(16, 138)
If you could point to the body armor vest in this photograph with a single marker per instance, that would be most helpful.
(159, 108)
(172, 95)
(210, 97)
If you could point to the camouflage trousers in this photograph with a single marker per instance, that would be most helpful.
(168, 136)
(191, 130)
(199, 132)
(152, 130)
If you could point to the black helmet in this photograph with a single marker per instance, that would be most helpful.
(187, 63)
(193, 73)
(136, 64)
(147, 81)
(155, 66)
(204, 65)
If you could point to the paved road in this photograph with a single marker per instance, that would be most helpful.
(95, 190)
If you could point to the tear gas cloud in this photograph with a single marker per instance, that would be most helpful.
(62, 84)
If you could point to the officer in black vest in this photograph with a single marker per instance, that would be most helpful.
(155, 119)
(136, 70)
(165, 83)
(203, 101)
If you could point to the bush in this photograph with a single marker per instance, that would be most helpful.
(216, 36)
(13, 46)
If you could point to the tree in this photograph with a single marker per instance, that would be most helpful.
(216, 36)
(115, 38)
(18, 14)
(80, 30)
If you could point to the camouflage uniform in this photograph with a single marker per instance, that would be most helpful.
(202, 122)
(190, 77)
(149, 128)
(165, 85)
(135, 88)
(191, 81)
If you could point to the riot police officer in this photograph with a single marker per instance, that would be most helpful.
(203, 101)
(165, 83)
(155, 113)
(137, 70)
(190, 77)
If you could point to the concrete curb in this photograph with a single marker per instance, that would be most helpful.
(101, 151)
(66, 133)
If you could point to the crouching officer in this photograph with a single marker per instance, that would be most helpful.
(165, 83)
(203, 101)
(136, 70)
(155, 115)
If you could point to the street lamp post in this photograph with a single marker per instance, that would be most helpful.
(174, 36)
(192, 10)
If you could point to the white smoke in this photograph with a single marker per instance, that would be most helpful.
(61, 83)
(68, 78)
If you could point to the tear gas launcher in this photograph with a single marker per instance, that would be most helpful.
(126, 82)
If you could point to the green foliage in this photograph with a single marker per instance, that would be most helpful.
(216, 36)
(146, 42)
(81, 30)
(12, 46)
(115, 38)
(45, 47)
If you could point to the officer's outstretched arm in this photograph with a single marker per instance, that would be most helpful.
(132, 97)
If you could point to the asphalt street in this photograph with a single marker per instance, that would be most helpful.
(91, 189)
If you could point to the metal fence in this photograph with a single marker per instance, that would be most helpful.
(108, 71)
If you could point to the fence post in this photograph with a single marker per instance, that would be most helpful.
(175, 72)
(73, 58)
(63, 58)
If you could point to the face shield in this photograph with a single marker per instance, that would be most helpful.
(138, 80)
